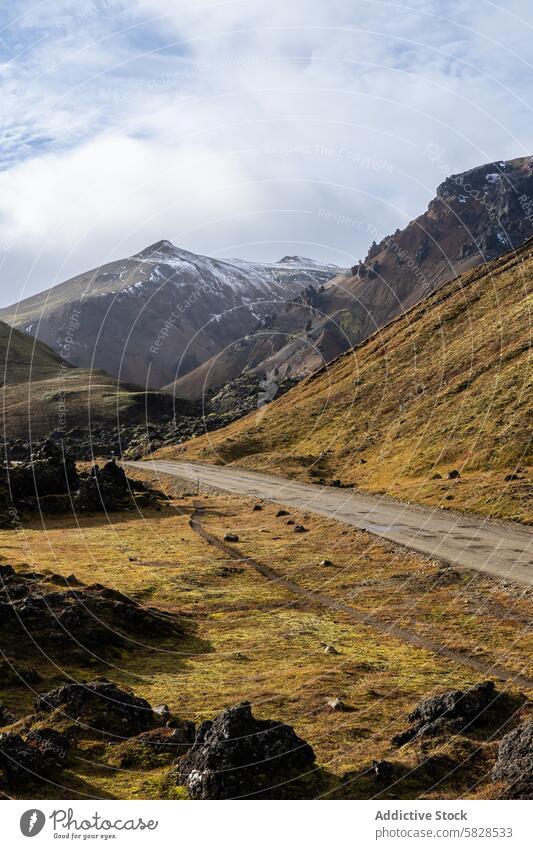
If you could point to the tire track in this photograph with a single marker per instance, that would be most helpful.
(359, 616)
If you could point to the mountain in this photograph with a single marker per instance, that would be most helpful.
(476, 216)
(169, 318)
(161, 312)
(41, 392)
(446, 387)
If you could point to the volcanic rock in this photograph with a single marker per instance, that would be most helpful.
(449, 712)
(21, 761)
(101, 706)
(92, 616)
(239, 756)
(231, 538)
(515, 762)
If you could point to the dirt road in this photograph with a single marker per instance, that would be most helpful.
(502, 549)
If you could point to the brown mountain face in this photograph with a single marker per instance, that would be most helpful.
(41, 392)
(475, 217)
(160, 313)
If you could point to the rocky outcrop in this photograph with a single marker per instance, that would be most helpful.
(23, 761)
(514, 765)
(49, 482)
(83, 618)
(451, 712)
(238, 756)
(105, 489)
(99, 706)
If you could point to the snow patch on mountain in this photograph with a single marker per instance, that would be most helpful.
(238, 275)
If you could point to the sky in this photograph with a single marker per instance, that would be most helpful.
(252, 129)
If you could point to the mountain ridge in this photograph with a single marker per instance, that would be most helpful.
(162, 310)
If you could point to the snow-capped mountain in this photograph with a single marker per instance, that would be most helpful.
(169, 318)
(156, 315)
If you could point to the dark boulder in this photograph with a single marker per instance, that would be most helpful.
(514, 765)
(239, 756)
(383, 772)
(49, 742)
(92, 616)
(449, 712)
(231, 538)
(104, 489)
(20, 761)
(51, 470)
(101, 706)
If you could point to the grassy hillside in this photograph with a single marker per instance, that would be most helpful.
(40, 392)
(446, 386)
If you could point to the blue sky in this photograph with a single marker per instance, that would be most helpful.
(246, 129)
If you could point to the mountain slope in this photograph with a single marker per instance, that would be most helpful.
(41, 392)
(475, 217)
(161, 312)
(446, 386)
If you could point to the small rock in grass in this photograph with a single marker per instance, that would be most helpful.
(336, 704)
(282, 513)
(257, 507)
(299, 529)
(290, 521)
(436, 477)
(454, 474)
(325, 562)
(331, 650)
(231, 538)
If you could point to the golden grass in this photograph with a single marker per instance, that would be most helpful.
(252, 639)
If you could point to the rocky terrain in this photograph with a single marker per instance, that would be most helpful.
(125, 663)
(49, 482)
(133, 441)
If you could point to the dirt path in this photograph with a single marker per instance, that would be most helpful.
(361, 617)
(503, 549)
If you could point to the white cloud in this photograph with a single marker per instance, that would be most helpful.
(230, 127)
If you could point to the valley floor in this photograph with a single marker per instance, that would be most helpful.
(251, 635)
